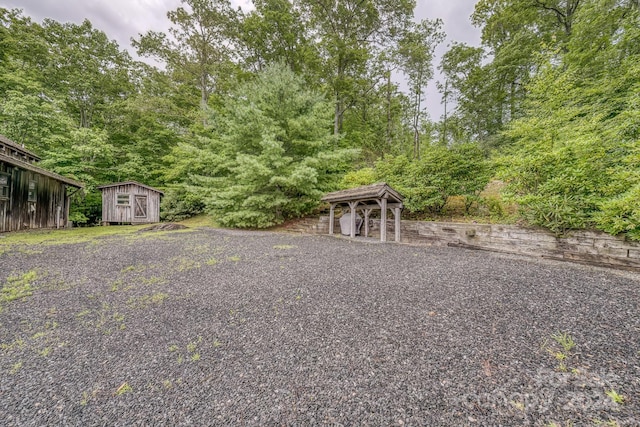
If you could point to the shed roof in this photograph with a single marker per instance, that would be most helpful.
(118, 184)
(18, 147)
(379, 190)
(33, 168)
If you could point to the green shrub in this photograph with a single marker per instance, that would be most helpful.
(179, 203)
(621, 214)
(441, 172)
(558, 213)
(364, 176)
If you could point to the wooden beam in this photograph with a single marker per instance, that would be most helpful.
(352, 208)
(332, 216)
(383, 220)
(366, 213)
(397, 213)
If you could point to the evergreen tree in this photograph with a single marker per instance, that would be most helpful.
(273, 156)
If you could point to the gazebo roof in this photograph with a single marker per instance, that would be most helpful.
(376, 191)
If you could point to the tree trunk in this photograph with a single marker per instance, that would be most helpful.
(388, 136)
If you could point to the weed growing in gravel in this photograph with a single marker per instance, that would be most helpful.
(104, 321)
(87, 397)
(211, 261)
(518, 405)
(284, 246)
(123, 389)
(153, 280)
(615, 397)
(192, 351)
(133, 268)
(45, 351)
(15, 368)
(562, 350)
(146, 301)
(234, 258)
(198, 249)
(183, 264)
(610, 423)
(17, 287)
(16, 344)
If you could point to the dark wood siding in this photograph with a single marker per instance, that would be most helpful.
(46, 208)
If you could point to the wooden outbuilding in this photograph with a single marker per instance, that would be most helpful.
(30, 196)
(367, 198)
(130, 203)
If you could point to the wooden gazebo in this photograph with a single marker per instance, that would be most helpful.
(367, 199)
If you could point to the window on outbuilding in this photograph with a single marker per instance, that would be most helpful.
(123, 199)
(33, 191)
(4, 185)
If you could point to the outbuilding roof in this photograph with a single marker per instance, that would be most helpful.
(118, 184)
(6, 141)
(376, 191)
(33, 168)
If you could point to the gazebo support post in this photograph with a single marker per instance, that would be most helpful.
(366, 212)
(383, 220)
(396, 214)
(352, 208)
(332, 216)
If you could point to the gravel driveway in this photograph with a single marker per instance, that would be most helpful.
(219, 327)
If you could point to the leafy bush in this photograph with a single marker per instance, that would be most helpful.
(558, 213)
(179, 203)
(364, 176)
(621, 214)
(441, 172)
(86, 209)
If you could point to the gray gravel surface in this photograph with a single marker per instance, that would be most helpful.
(219, 327)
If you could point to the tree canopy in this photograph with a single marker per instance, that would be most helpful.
(252, 115)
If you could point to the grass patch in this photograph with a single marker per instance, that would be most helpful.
(66, 236)
(199, 221)
(284, 247)
(17, 287)
(147, 300)
(615, 397)
(561, 349)
(123, 389)
(181, 263)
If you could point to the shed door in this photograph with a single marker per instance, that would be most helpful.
(141, 207)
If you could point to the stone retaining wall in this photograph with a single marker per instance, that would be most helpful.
(588, 247)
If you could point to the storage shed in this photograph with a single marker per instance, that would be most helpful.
(30, 196)
(130, 202)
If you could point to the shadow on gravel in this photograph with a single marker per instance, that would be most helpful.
(217, 327)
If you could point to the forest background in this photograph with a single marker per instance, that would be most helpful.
(252, 116)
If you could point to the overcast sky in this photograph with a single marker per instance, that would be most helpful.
(123, 19)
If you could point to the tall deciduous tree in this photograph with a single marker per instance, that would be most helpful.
(200, 45)
(86, 68)
(416, 56)
(349, 31)
(275, 31)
